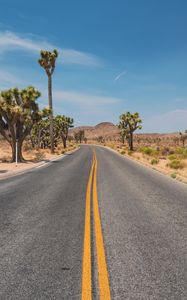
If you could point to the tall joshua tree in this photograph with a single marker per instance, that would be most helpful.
(128, 123)
(47, 61)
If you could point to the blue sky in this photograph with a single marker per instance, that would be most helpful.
(115, 56)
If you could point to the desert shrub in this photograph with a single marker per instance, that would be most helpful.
(111, 145)
(39, 156)
(4, 159)
(172, 156)
(146, 150)
(154, 161)
(149, 151)
(173, 175)
(59, 147)
(179, 150)
(130, 152)
(176, 164)
(171, 152)
(122, 152)
(70, 144)
(165, 151)
(27, 146)
(182, 152)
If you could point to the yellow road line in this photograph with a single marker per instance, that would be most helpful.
(101, 260)
(86, 271)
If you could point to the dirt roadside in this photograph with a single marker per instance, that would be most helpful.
(11, 169)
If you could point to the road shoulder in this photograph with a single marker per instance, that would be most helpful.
(8, 170)
(142, 163)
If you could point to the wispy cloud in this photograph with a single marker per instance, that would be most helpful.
(7, 79)
(84, 99)
(85, 108)
(120, 75)
(171, 121)
(10, 41)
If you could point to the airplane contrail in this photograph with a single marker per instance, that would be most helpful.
(120, 75)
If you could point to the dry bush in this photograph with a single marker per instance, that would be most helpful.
(39, 156)
(176, 164)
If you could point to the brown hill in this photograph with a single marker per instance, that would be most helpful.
(105, 129)
(111, 133)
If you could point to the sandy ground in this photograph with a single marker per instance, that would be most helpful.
(179, 174)
(33, 158)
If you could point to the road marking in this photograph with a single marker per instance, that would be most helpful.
(86, 273)
(104, 288)
(101, 260)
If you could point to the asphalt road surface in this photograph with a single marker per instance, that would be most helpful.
(93, 225)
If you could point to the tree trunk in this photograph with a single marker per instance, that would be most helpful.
(51, 112)
(131, 141)
(183, 142)
(19, 151)
(64, 142)
(39, 139)
(64, 139)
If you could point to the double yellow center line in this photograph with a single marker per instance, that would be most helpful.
(104, 288)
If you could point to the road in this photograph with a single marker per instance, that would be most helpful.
(93, 225)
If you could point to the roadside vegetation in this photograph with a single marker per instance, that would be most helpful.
(128, 124)
(28, 132)
(168, 155)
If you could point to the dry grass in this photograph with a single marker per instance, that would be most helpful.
(32, 157)
(170, 160)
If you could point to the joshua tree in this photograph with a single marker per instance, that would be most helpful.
(176, 140)
(18, 113)
(128, 124)
(47, 61)
(100, 139)
(40, 135)
(63, 124)
(183, 137)
(79, 136)
(124, 132)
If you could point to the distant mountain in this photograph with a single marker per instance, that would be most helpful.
(110, 132)
(105, 129)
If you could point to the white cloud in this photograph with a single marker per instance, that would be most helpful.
(10, 41)
(120, 75)
(84, 100)
(85, 108)
(8, 79)
(171, 121)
